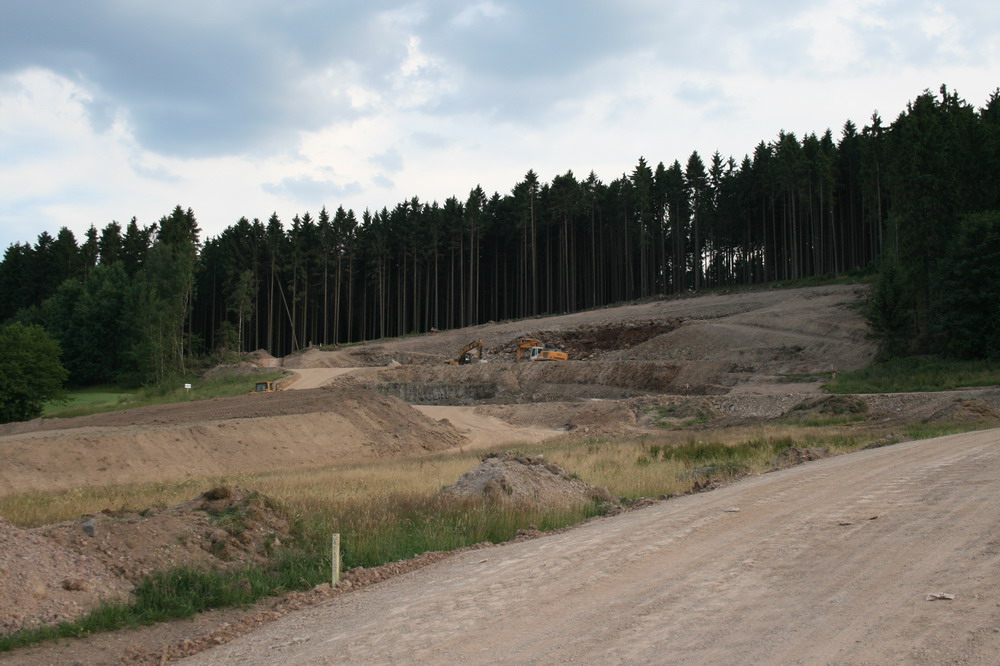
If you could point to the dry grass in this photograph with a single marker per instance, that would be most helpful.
(624, 467)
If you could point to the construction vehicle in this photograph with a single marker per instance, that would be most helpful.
(532, 349)
(465, 356)
(265, 387)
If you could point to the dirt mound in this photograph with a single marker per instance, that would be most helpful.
(965, 411)
(43, 583)
(223, 526)
(796, 456)
(511, 477)
(829, 406)
(244, 368)
(677, 412)
(60, 572)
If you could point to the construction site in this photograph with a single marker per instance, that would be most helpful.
(773, 569)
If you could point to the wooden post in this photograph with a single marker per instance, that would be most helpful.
(335, 564)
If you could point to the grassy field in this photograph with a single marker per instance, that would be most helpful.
(98, 399)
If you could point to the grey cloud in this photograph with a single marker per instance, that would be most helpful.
(390, 161)
(304, 188)
(197, 79)
(194, 83)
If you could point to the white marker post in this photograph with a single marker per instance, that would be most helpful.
(335, 564)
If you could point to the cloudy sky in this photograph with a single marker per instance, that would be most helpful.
(111, 109)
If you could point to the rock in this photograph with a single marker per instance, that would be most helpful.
(74, 585)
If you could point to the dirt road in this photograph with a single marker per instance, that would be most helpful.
(828, 562)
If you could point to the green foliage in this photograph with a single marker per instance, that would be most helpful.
(95, 323)
(906, 375)
(30, 371)
(889, 312)
(968, 318)
(165, 294)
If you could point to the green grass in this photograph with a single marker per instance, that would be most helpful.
(112, 398)
(392, 530)
(88, 400)
(916, 374)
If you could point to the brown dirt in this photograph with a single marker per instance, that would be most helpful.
(512, 477)
(60, 572)
(247, 433)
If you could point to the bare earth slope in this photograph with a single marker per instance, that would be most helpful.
(284, 430)
(652, 348)
(828, 562)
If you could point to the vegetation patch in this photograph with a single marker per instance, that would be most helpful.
(684, 413)
(112, 398)
(905, 375)
(828, 410)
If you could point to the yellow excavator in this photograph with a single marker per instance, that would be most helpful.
(265, 387)
(532, 349)
(465, 356)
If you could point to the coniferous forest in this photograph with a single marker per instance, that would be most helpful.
(915, 201)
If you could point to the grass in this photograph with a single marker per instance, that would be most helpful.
(916, 374)
(112, 398)
(390, 511)
(373, 533)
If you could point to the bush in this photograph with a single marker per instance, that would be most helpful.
(30, 372)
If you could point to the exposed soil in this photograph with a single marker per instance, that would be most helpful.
(248, 433)
(512, 477)
(700, 363)
(60, 572)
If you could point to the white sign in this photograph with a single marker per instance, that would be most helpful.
(187, 386)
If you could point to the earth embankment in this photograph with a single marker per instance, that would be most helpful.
(251, 433)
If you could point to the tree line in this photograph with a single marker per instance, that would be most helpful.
(916, 198)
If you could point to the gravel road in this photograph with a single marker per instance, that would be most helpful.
(831, 562)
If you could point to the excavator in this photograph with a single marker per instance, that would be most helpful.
(465, 356)
(266, 387)
(532, 349)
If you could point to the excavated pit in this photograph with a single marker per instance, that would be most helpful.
(505, 383)
(598, 342)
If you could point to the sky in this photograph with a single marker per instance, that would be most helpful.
(113, 109)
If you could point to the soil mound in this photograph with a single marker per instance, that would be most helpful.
(42, 583)
(965, 411)
(511, 477)
(59, 572)
(829, 406)
(796, 456)
(243, 368)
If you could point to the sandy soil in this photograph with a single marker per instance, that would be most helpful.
(828, 562)
(284, 430)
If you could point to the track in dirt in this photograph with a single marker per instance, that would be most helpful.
(828, 562)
